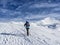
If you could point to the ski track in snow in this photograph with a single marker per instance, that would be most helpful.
(14, 34)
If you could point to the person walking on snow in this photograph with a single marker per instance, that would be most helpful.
(27, 25)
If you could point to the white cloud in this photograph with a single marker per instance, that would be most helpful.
(44, 5)
(54, 15)
(57, 9)
(34, 17)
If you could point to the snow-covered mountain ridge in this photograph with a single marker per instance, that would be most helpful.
(14, 33)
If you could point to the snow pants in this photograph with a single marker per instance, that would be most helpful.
(27, 29)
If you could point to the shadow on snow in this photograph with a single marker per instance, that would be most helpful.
(21, 35)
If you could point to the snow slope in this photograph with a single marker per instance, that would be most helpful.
(14, 33)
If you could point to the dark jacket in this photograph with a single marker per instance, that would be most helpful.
(27, 25)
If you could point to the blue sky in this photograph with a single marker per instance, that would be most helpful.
(29, 9)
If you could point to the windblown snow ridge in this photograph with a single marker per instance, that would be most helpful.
(14, 33)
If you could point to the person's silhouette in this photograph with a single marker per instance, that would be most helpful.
(27, 25)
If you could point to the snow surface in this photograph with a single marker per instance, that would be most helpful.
(14, 33)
